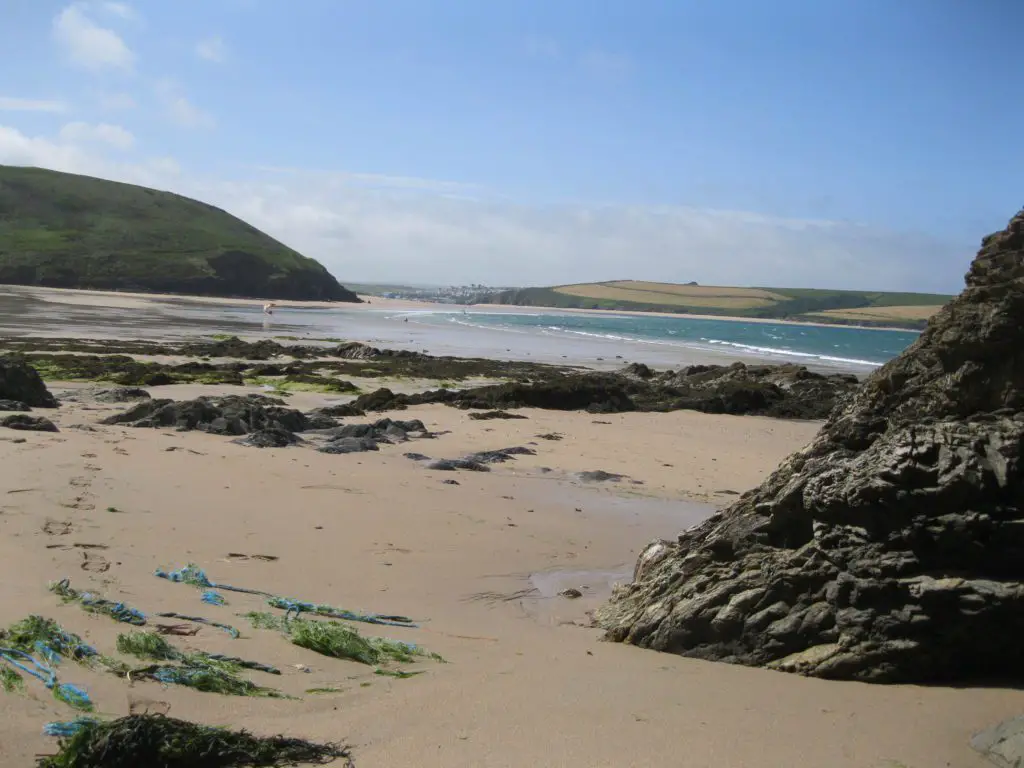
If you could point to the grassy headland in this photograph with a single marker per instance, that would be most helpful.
(906, 310)
(63, 230)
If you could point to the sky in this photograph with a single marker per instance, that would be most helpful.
(861, 144)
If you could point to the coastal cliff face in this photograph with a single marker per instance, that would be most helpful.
(892, 547)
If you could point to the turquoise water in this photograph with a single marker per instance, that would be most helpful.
(839, 345)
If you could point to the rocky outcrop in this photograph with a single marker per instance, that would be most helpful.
(25, 422)
(228, 415)
(21, 383)
(892, 547)
(782, 391)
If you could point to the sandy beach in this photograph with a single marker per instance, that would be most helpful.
(477, 559)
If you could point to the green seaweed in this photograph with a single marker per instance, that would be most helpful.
(165, 742)
(10, 680)
(341, 641)
(26, 634)
(195, 670)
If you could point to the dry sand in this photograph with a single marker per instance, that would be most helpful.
(526, 684)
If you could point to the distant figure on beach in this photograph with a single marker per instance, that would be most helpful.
(268, 308)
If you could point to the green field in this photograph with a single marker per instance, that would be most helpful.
(63, 230)
(906, 310)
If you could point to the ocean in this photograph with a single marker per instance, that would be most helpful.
(830, 346)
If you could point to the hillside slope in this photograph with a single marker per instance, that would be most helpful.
(910, 310)
(63, 230)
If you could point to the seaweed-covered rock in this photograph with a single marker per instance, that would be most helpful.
(269, 437)
(491, 415)
(21, 382)
(121, 395)
(28, 423)
(350, 445)
(227, 415)
(892, 547)
(13, 405)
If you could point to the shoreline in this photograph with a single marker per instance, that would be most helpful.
(690, 316)
(127, 299)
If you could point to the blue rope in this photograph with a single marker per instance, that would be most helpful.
(71, 694)
(212, 598)
(193, 574)
(67, 729)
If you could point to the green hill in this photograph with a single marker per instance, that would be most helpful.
(906, 310)
(63, 230)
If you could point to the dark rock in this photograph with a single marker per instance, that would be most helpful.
(342, 410)
(29, 423)
(416, 456)
(350, 445)
(13, 405)
(501, 455)
(572, 593)
(21, 382)
(599, 476)
(550, 436)
(891, 548)
(488, 415)
(227, 415)
(451, 465)
(269, 437)
(449, 481)
(121, 395)
(317, 419)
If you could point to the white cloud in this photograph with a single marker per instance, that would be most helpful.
(87, 43)
(179, 109)
(371, 227)
(115, 101)
(113, 135)
(122, 10)
(14, 104)
(212, 49)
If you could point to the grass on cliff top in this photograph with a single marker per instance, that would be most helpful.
(815, 305)
(165, 742)
(72, 231)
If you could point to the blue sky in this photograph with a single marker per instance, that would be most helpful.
(863, 143)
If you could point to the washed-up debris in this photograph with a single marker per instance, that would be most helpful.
(35, 646)
(96, 604)
(241, 556)
(488, 415)
(340, 641)
(157, 741)
(204, 672)
(181, 630)
(200, 620)
(211, 597)
(298, 607)
(196, 576)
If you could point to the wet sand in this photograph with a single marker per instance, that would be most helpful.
(95, 314)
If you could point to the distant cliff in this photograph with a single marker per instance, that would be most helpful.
(63, 230)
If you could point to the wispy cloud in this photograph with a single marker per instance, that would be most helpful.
(606, 65)
(14, 104)
(123, 10)
(179, 109)
(212, 49)
(87, 43)
(116, 101)
(105, 133)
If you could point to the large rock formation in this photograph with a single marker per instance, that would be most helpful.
(892, 547)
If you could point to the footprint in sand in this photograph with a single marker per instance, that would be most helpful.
(57, 527)
(94, 563)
